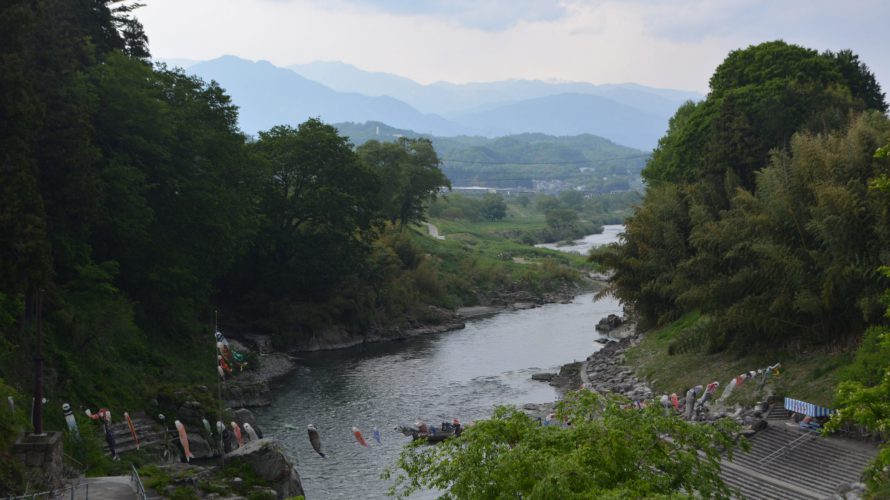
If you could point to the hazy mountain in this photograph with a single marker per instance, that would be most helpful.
(451, 100)
(268, 95)
(572, 114)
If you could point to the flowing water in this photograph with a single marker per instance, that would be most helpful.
(610, 233)
(462, 374)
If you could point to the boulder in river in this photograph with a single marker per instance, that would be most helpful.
(609, 323)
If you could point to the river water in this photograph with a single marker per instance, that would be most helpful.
(462, 374)
(610, 234)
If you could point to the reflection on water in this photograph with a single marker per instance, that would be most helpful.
(610, 234)
(461, 374)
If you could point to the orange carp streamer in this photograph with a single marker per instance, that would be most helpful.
(358, 437)
(183, 440)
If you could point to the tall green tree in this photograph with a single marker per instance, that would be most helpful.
(411, 177)
(863, 395)
(760, 96)
(177, 188)
(757, 210)
(317, 199)
(493, 207)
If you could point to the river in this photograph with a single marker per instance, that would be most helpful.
(462, 374)
(610, 234)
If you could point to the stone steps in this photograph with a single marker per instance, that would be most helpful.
(151, 435)
(749, 486)
(777, 411)
(786, 462)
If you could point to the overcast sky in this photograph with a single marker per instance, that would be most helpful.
(662, 43)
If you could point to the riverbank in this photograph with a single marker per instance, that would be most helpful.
(255, 388)
(339, 337)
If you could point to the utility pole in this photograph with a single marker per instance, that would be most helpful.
(38, 369)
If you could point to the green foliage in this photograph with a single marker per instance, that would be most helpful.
(493, 207)
(588, 162)
(561, 218)
(761, 96)
(758, 212)
(872, 358)
(866, 402)
(610, 450)
(12, 478)
(141, 174)
(645, 262)
(410, 175)
(184, 493)
(154, 477)
(317, 201)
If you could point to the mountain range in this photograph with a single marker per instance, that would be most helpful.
(267, 95)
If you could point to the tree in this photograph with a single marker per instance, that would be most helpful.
(757, 211)
(411, 174)
(561, 218)
(760, 96)
(317, 200)
(523, 200)
(610, 450)
(548, 202)
(864, 396)
(493, 207)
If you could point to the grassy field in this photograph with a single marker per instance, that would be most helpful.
(808, 375)
(487, 236)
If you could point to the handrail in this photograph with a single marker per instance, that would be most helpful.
(790, 446)
(140, 489)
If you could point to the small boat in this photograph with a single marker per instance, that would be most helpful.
(432, 435)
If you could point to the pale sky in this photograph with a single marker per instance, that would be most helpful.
(661, 43)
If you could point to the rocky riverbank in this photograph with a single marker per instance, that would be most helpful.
(258, 469)
(606, 371)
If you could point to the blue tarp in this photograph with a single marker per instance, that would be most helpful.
(808, 409)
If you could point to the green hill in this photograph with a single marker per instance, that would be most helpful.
(525, 161)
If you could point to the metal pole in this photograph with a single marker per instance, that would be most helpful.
(38, 369)
(222, 450)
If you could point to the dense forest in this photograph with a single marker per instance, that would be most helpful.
(524, 161)
(767, 215)
(758, 210)
(132, 208)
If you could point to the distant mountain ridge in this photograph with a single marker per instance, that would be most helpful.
(451, 99)
(268, 95)
(629, 114)
(530, 160)
(572, 114)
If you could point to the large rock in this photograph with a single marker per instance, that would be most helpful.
(248, 393)
(199, 446)
(609, 323)
(245, 416)
(267, 461)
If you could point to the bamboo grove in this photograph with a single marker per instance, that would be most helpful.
(758, 211)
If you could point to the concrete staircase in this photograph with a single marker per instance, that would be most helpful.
(787, 463)
(151, 434)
